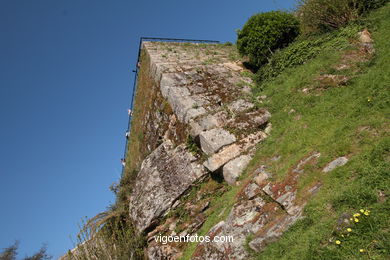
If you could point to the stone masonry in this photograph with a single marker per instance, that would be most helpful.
(209, 93)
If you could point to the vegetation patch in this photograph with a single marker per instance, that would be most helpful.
(348, 121)
(264, 33)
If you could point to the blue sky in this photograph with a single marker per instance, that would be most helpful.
(65, 80)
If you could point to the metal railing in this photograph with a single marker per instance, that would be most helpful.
(142, 39)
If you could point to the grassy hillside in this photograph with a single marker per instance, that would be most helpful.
(336, 103)
(345, 119)
(326, 94)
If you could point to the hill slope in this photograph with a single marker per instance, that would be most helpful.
(315, 187)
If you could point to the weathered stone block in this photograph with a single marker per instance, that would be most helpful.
(240, 106)
(194, 112)
(195, 129)
(233, 169)
(219, 159)
(213, 140)
(208, 122)
(258, 118)
(251, 190)
(165, 174)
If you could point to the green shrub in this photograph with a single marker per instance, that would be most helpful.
(327, 15)
(264, 33)
(305, 49)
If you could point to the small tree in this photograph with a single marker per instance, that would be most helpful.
(10, 253)
(40, 255)
(264, 33)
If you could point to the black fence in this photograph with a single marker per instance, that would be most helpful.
(142, 39)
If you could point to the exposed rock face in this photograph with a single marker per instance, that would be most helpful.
(335, 163)
(165, 174)
(240, 222)
(264, 211)
(159, 251)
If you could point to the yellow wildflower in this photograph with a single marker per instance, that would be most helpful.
(351, 219)
(367, 212)
(338, 242)
(342, 235)
(369, 99)
(361, 250)
(356, 215)
(362, 210)
(349, 229)
(356, 220)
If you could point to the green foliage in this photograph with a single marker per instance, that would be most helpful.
(11, 252)
(40, 255)
(305, 49)
(192, 146)
(327, 15)
(110, 235)
(264, 33)
(349, 120)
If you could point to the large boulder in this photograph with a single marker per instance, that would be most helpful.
(165, 174)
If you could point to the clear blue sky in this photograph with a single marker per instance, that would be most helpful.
(65, 78)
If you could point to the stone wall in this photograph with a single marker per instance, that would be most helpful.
(209, 96)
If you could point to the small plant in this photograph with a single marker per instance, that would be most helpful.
(210, 61)
(246, 73)
(303, 50)
(233, 56)
(11, 252)
(192, 146)
(264, 33)
(326, 15)
(109, 235)
(347, 236)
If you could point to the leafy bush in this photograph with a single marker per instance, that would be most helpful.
(264, 33)
(327, 15)
(305, 49)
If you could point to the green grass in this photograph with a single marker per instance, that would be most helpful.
(351, 121)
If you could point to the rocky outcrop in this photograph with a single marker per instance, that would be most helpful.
(165, 174)
(265, 209)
